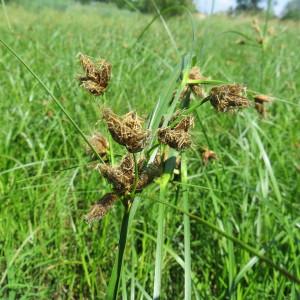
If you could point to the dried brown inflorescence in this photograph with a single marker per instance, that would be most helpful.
(100, 143)
(260, 101)
(208, 155)
(195, 88)
(127, 130)
(122, 177)
(100, 209)
(148, 173)
(228, 97)
(97, 75)
(178, 137)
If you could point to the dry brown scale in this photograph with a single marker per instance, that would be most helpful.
(100, 143)
(260, 101)
(208, 155)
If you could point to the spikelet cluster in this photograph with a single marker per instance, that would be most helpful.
(127, 130)
(100, 209)
(97, 75)
(228, 97)
(177, 137)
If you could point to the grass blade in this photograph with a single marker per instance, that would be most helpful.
(283, 271)
(160, 237)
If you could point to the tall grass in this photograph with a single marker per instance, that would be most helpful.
(250, 192)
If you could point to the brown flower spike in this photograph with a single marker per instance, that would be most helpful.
(121, 177)
(97, 75)
(127, 130)
(178, 137)
(100, 209)
(228, 97)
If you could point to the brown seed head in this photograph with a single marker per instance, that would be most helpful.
(100, 209)
(97, 75)
(178, 137)
(127, 130)
(260, 101)
(262, 98)
(228, 97)
(121, 177)
(208, 155)
(100, 143)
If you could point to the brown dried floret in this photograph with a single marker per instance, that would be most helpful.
(100, 143)
(121, 177)
(97, 75)
(100, 209)
(208, 155)
(260, 101)
(228, 97)
(195, 74)
(127, 130)
(178, 137)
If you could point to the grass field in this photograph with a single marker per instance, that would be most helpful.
(47, 185)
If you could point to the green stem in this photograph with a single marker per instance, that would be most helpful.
(187, 234)
(57, 102)
(114, 282)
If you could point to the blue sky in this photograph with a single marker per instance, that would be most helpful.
(223, 5)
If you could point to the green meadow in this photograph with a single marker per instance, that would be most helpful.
(48, 182)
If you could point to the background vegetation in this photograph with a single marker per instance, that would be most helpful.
(47, 184)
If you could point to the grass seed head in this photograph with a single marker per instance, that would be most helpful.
(127, 130)
(208, 155)
(120, 177)
(97, 75)
(100, 209)
(100, 143)
(260, 101)
(178, 137)
(228, 97)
